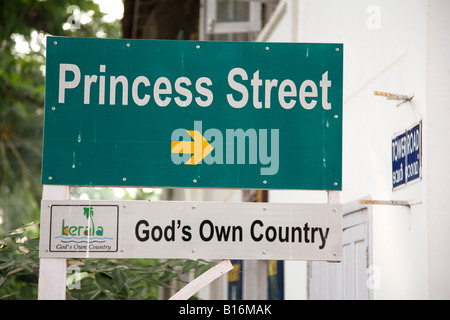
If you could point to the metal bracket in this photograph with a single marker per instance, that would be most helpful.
(390, 202)
(393, 96)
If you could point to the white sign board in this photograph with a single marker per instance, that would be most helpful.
(190, 230)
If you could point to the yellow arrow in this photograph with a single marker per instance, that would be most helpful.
(200, 147)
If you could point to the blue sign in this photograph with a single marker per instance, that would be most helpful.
(407, 156)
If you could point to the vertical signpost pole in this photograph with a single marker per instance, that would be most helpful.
(333, 197)
(53, 272)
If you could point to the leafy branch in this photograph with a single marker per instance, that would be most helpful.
(88, 279)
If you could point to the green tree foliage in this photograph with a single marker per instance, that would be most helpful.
(132, 279)
(19, 263)
(88, 279)
(24, 25)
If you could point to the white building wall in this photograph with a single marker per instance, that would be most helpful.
(387, 47)
(438, 114)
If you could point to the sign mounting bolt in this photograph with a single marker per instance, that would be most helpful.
(124, 179)
(194, 181)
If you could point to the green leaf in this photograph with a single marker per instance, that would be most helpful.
(95, 294)
(119, 278)
(134, 281)
(175, 262)
(9, 242)
(167, 276)
(104, 281)
(200, 269)
(2, 279)
(189, 265)
(86, 283)
(158, 283)
(33, 244)
(153, 269)
(139, 293)
(6, 265)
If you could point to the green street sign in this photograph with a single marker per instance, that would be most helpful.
(165, 113)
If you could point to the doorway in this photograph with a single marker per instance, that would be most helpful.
(349, 279)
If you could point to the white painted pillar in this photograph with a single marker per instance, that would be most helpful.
(333, 197)
(254, 284)
(53, 272)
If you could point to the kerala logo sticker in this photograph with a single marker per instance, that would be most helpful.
(83, 231)
(77, 236)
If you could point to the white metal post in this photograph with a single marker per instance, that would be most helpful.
(53, 272)
(333, 198)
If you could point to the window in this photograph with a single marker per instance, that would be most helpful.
(233, 20)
